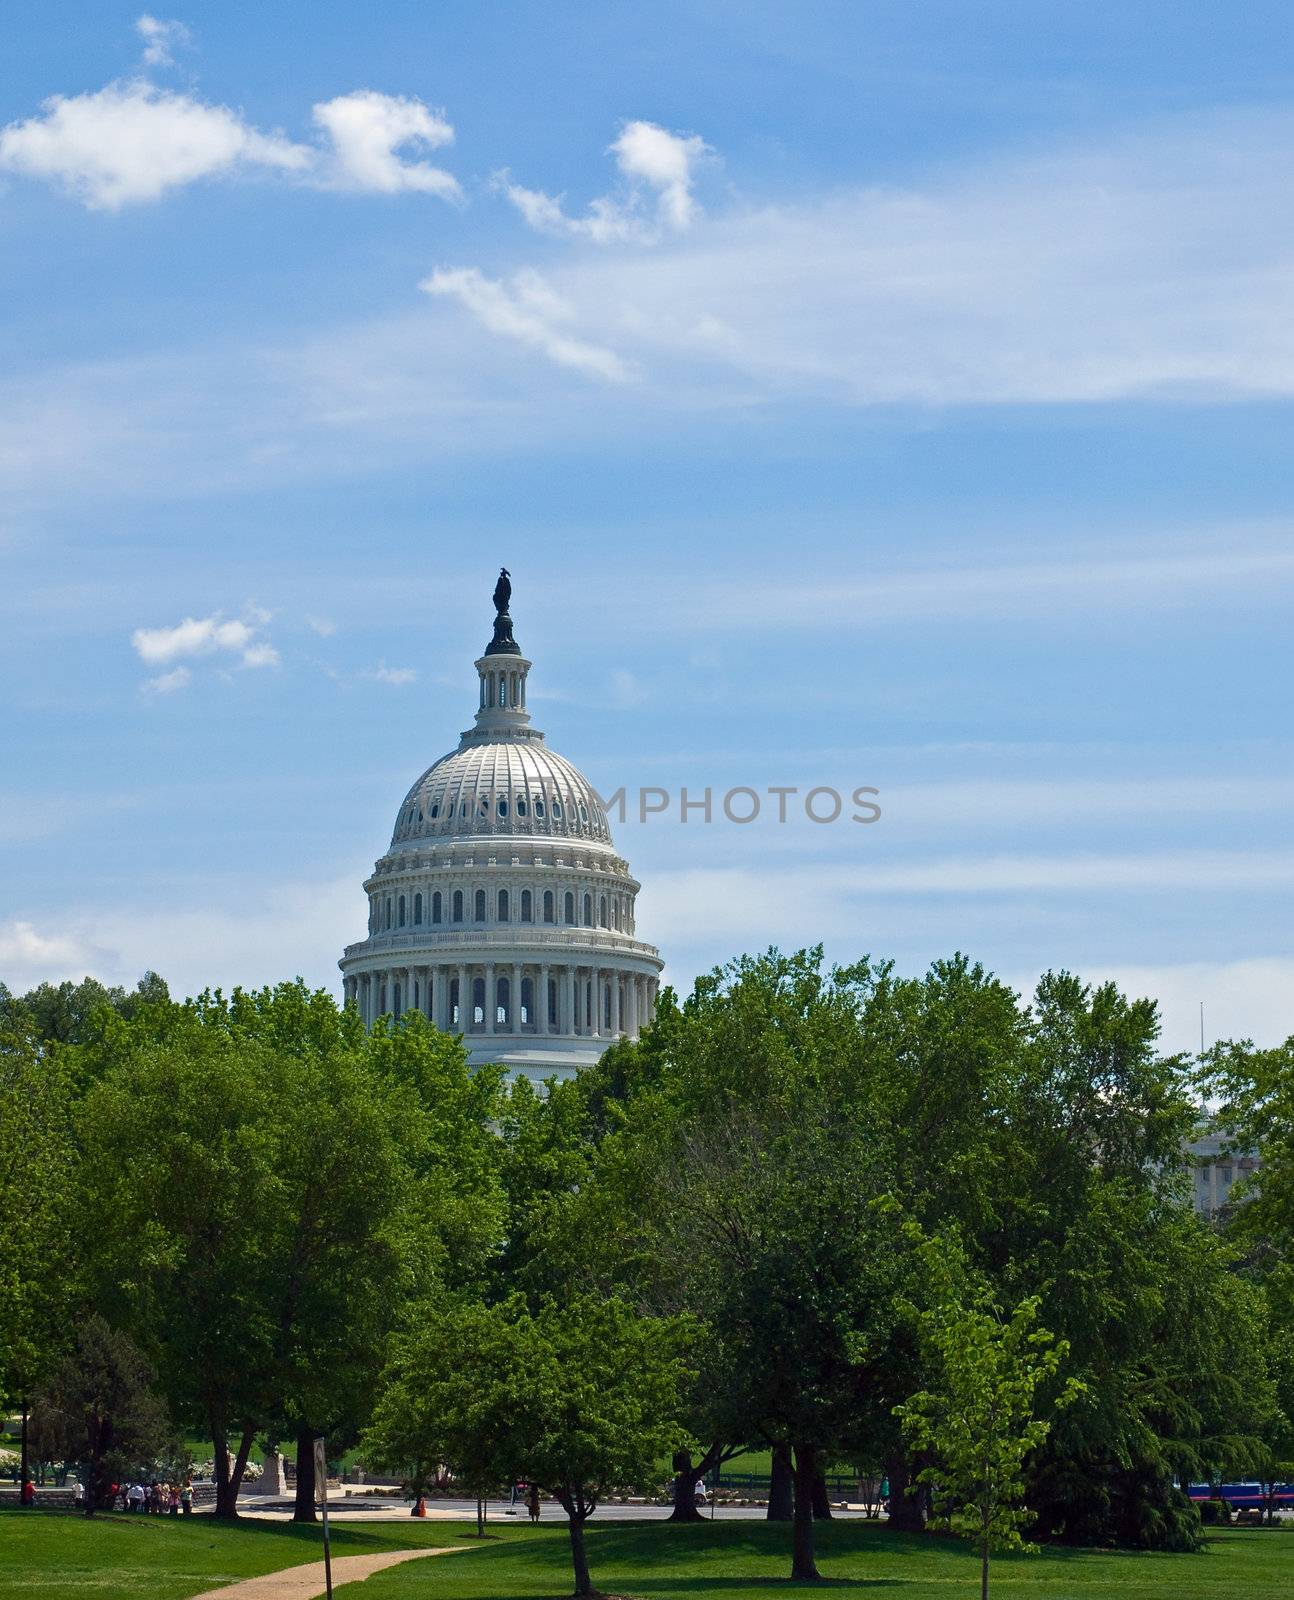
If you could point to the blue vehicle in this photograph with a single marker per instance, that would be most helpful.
(1246, 1496)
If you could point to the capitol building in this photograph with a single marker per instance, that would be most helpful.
(501, 909)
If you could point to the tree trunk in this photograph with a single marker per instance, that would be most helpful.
(803, 1567)
(983, 1569)
(583, 1584)
(303, 1509)
(26, 1460)
(821, 1505)
(480, 1516)
(683, 1490)
(780, 1485)
(906, 1512)
(229, 1477)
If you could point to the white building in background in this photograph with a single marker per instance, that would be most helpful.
(501, 910)
(1216, 1169)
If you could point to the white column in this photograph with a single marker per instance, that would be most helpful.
(571, 1007)
(514, 999)
(616, 1029)
(541, 1016)
(596, 980)
(631, 1002)
(490, 999)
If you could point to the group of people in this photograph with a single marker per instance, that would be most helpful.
(155, 1499)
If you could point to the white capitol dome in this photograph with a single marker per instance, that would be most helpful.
(501, 909)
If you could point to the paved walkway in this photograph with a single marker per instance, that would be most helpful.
(305, 1583)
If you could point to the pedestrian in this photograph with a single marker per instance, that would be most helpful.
(28, 1495)
(173, 1499)
(532, 1502)
(186, 1497)
(136, 1496)
(78, 1493)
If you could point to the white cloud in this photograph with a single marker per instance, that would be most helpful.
(665, 161)
(244, 933)
(161, 39)
(168, 682)
(528, 311)
(195, 637)
(133, 142)
(650, 158)
(396, 676)
(323, 626)
(367, 131)
(28, 957)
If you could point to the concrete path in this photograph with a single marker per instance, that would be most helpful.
(306, 1582)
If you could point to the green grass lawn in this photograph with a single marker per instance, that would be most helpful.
(119, 1558)
(47, 1555)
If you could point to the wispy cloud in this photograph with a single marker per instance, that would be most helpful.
(397, 677)
(168, 682)
(161, 40)
(1153, 264)
(653, 162)
(529, 311)
(196, 637)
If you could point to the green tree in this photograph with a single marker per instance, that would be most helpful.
(38, 1235)
(100, 1409)
(980, 1423)
(279, 1185)
(748, 1183)
(580, 1398)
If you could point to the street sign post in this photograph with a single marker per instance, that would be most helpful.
(321, 1494)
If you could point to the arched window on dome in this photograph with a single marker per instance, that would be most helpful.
(485, 805)
(602, 911)
(522, 807)
(458, 905)
(557, 810)
(417, 911)
(503, 905)
(501, 805)
(480, 905)
(539, 806)
(588, 910)
(435, 809)
(435, 906)
(399, 912)
(463, 809)
(527, 906)
(388, 911)
(548, 905)
(568, 908)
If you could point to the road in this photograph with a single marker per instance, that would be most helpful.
(356, 1506)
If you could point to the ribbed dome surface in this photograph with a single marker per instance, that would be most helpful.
(509, 787)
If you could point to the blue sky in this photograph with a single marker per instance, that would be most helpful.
(859, 394)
